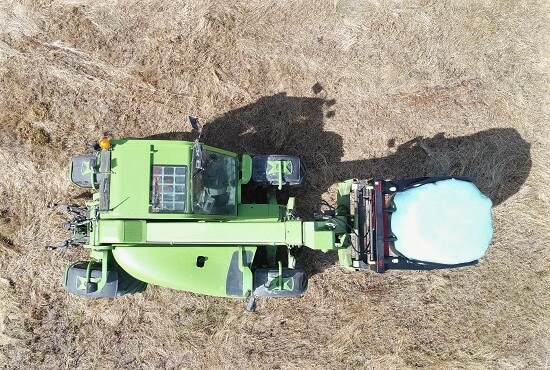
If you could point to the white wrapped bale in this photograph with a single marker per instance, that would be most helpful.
(447, 222)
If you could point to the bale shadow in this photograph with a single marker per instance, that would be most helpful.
(497, 160)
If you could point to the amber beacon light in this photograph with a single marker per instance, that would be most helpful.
(104, 143)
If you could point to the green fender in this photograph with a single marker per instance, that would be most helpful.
(223, 271)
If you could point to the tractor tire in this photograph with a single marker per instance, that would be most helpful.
(264, 276)
(119, 282)
(128, 285)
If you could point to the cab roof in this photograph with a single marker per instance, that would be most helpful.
(132, 164)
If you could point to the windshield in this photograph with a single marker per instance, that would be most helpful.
(214, 183)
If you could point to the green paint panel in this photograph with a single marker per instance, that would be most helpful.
(131, 165)
(255, 233)
(260, 212)
(120, 231)
(111, 231)
(318, 236)
(177, 268)
(246, 169)
(262, 232)
(294, 233)
(134, 231)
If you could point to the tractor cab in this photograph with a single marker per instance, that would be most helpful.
(160, 180)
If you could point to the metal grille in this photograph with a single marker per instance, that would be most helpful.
(134, 231)
(168, 189)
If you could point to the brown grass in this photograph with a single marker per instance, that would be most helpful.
(369, 86)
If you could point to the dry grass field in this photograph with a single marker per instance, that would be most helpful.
(357, 88)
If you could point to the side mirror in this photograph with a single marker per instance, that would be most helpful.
(195, 125)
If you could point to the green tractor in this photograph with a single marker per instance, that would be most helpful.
(171, 213)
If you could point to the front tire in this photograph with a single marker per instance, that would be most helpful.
(119, 282)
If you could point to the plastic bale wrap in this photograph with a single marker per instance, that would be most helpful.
(446, 222)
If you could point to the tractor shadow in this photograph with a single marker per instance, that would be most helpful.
(497, 160)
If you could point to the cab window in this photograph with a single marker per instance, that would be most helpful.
(214, 183)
